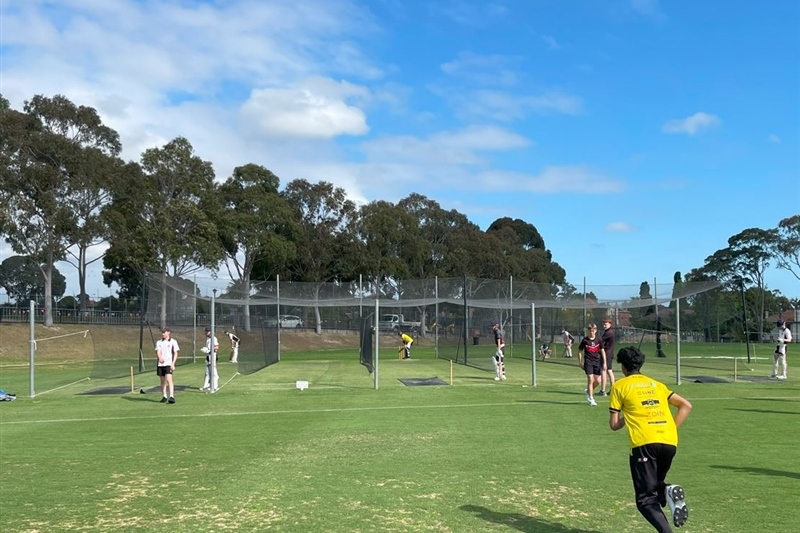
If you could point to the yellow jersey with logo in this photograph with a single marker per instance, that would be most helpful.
(644, 402)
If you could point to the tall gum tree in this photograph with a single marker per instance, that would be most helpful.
(256, 222)
(165, 217)
(52, 156)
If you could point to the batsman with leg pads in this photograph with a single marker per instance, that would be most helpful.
(499, 355)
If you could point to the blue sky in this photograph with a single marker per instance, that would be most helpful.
(636, 135)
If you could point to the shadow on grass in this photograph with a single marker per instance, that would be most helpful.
(521, 522)
(764, 411)
(759, 471)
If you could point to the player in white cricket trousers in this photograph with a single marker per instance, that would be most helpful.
(211, 348)
(499, 355)
(235, 341)
(779, 357)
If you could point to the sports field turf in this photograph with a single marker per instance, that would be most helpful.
(473, 456)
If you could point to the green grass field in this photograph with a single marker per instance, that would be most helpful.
(473, 456)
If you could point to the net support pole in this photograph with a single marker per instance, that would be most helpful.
(436, 317)
(511, 314)
(376, 340)
(678, 341)
(466, 322)
(32, 352)
(533, 345)
(211, 353)
(278, 299)
(141, 323)
(194, 320)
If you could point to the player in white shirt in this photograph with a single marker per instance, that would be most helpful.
(568, 340)
(211, 348)
(235, 342)
(779, 357)
(167, 352)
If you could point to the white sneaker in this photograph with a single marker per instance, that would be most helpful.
(592, 402)
(677, 505)
(204, 389)
(781, 377)
(497, 378)
(503, 377)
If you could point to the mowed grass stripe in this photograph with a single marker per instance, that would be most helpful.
(529, 402)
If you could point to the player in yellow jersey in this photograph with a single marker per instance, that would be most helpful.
(643, 405)
(407, 341)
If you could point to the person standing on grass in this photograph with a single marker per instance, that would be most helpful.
(210, 349)
(607, 340)
(499, 354)
(235, 342)
(407, 341)
(779, 357)
(568, 340)
(643, 405)
(592, 359)
(167, 352)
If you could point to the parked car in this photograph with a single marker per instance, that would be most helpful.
(287, 322)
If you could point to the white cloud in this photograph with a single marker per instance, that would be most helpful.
(649, 8)
(691, 125)
(507, 106)
(774, 139)
(461, 147)
(491, 69)
(317, 108)
(619, 227)
(551, 42)
(555, 179)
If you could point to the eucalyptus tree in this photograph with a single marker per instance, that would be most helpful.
(256, 223)
(55, 158)
(388, 235)
(745, 261)
(163, 218)
(325, 241)
(787, 245)
(22, 280)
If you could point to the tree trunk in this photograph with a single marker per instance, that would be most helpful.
(246, 283)
(48, 291)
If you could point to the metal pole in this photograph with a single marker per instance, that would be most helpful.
(466, 322)
(678, 342)
(194, 321)
(436, 318)
(584, 303)
(511, 315)
(141, 323)
(32, 348)
(744, 318)
(533, 345)
(212, 353)
(376, 340)
(278, 298)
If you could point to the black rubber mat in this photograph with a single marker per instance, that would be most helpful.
(421, 382)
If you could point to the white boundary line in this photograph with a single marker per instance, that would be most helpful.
(522, 402)
(62, 386)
